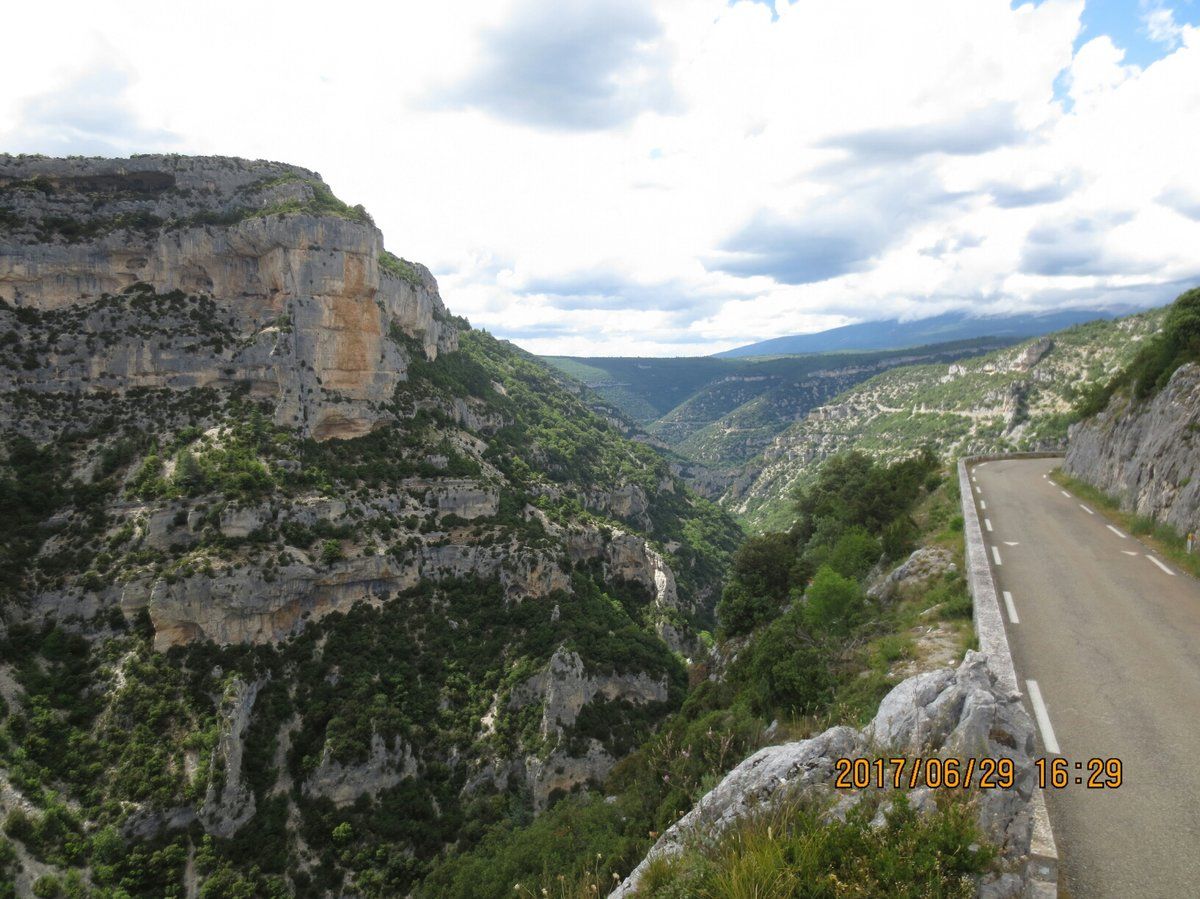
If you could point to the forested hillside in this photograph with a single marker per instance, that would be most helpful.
(720, 413)
(1021, 398)
(811, 634)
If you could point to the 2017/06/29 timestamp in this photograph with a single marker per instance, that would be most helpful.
(1095, 773)
(985, 773)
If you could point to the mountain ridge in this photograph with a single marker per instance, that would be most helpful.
(901, 334)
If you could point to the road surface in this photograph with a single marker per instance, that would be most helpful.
(1110, 635)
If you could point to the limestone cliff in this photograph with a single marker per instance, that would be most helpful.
(303, 292)
(1144, 453)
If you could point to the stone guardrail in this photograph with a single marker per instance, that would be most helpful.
(1042, 873)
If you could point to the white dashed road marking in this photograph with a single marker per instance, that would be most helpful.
(1064, 493)
(1086, 509)
(996, 555)
(982, 505)
(1129, 552)
(1043, 717)
(1012, 610)
(1115, 531)
(987, 522)
(1011, 543)
(977, 490)
(1160, 565)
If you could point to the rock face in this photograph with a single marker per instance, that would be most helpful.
(924, 565)
(953, 713)
(238, 605)
(343, 784)
(229, 803)
(563, 688)
(1146, 453)
(180, 339)
(300, 294)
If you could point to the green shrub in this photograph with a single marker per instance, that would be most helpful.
(833, 603)
(855, 553)
(1175, 345)
(786, 670)
(741, 611)
(793, 852)
(331, 551)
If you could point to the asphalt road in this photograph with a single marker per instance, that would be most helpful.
(1113, 643)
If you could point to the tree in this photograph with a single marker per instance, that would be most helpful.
(832, 602)
(331, 551)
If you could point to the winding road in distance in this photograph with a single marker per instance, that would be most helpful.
(1106, 641)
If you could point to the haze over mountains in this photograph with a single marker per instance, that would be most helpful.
(896, 334)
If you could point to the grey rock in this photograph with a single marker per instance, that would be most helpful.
(303, 300)
(1146, 454)
(383, 768)
(918, 570)
(229, 802)
(957, 713)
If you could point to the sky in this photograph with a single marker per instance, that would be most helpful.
(677, 177)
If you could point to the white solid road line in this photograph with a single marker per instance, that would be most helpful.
(1064, 493)
(996, 555)
(1043, 718)
(1160, 565)
(1086, 509)
(988, 524)
(1115, 531)
(1012, 610)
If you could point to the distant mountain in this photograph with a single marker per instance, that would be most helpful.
(895, 334)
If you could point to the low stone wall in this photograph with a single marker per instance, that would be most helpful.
(1042, 876)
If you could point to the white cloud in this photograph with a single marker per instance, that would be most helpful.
(1158, 20)
(678, 175)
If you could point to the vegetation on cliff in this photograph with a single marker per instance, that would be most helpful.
(213, 623)
(803, 644)
(1149, 371)
(1020, 398)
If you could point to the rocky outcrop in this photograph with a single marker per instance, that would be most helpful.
(563, 688)
(246, 605)
(1146, 454)
(628, 557)
(229, 802)
(916, 572)
(384, 767)
(294, 276)
(952, 713)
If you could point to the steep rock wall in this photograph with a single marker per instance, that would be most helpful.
(1146, 454)
(303, 293)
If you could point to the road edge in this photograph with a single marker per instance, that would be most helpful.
(1042, 869)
